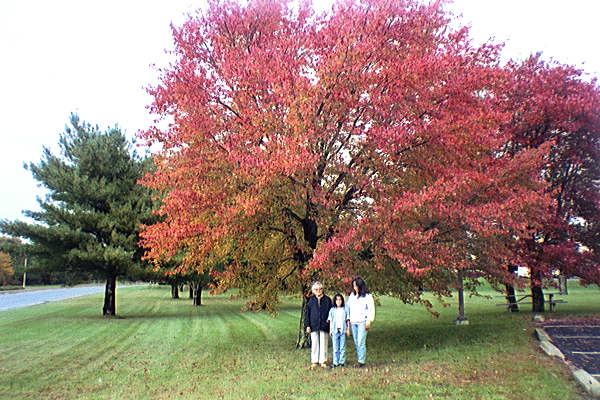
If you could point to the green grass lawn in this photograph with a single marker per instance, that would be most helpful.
(162, 348)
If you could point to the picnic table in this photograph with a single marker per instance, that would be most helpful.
(552, 302)
(526, 299)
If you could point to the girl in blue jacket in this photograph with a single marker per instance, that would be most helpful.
(338, 327)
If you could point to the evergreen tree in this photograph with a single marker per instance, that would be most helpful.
(90, 219)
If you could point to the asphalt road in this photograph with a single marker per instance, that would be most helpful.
(29, 298)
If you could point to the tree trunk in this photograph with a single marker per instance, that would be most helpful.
(174, 291)
(303, 337)
(110, 296)
(511, 299)
(537, 294)
(191, 290)
(461, 319)
(310, 230)
(197, 294)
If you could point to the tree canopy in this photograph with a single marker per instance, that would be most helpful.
(368, 140)
(550, 103)
(90, 219)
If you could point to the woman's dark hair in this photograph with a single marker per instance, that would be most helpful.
(335, 297)
(362, 286)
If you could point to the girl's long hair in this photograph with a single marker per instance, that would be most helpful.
(335, 297)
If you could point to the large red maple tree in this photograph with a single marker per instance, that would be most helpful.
(366, 140)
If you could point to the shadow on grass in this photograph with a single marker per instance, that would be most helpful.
(441, 334)
(419, 337)
(170, 309)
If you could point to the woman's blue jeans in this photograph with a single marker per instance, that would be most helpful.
(359, 334)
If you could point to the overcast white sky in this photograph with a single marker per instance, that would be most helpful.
(95, 58)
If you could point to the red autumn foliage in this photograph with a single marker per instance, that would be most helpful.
(552, 103)
(372, 140)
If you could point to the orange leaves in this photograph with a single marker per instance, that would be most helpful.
(6, 270)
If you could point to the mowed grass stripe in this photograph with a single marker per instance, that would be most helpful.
(151, 353)
(46, 342)
(95, 344)
(162, 348)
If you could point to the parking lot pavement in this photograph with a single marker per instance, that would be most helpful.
(579, 343)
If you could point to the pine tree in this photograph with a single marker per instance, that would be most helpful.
(90, 219)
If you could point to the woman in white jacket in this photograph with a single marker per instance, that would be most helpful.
(361, 313)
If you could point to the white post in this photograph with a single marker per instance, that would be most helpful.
(24, 272)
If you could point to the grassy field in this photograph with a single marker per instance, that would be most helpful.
(162, 348)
